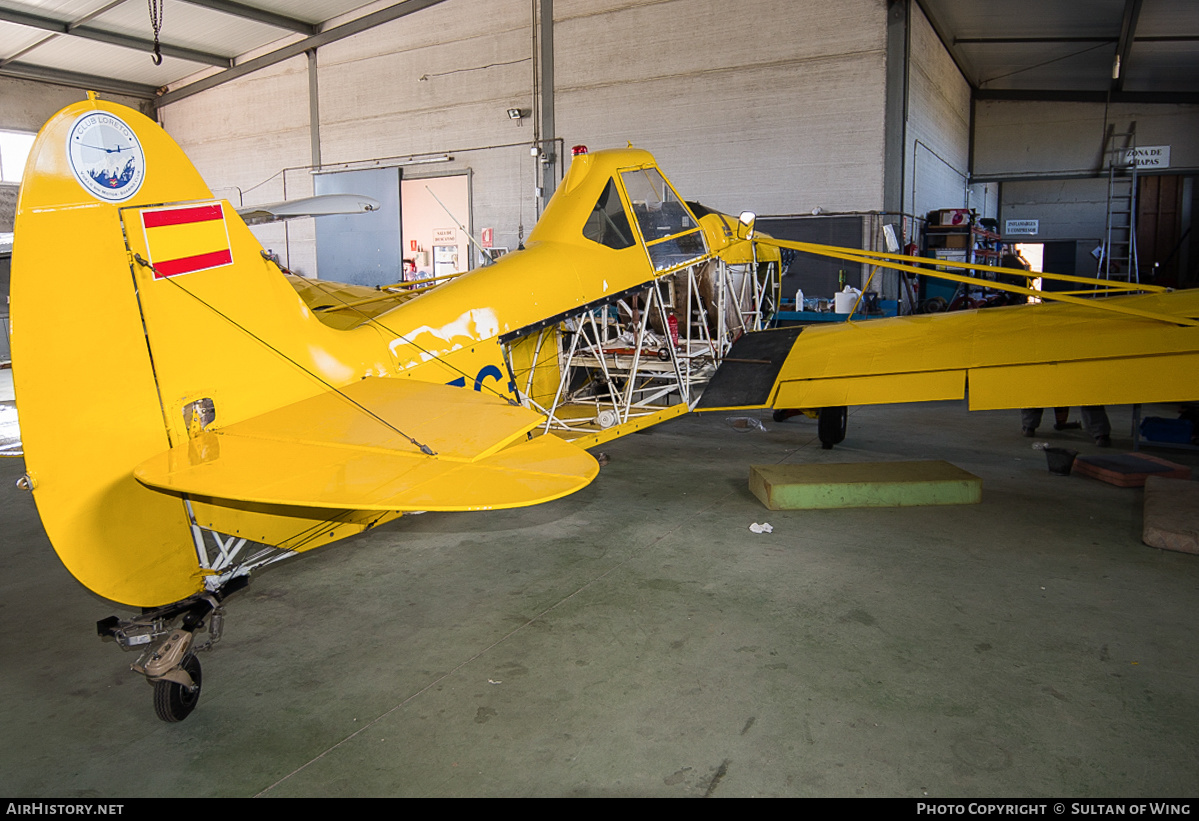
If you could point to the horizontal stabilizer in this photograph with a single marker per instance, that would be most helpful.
(360, 448)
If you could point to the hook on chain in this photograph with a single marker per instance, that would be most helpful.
(155, 8)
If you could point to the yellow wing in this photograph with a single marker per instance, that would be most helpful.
(1019, 356)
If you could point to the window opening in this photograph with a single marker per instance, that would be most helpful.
(14, 151)
(608, 224)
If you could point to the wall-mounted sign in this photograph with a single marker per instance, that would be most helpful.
(445, 236)
(1148, 156)
(488, 237)
(1029, 227)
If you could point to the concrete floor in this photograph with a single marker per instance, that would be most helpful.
(636, 639)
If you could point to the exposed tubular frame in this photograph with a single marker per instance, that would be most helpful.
(596, 371)
(223, 564)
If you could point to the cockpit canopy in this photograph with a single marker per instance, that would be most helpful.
(670, 232)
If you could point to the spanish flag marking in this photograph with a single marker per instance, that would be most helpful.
(188, 239)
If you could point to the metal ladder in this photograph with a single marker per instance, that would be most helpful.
(1119, 260)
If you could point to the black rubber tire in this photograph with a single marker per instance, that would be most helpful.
(830, 426)
(173, 702)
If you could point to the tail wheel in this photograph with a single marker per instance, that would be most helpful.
(830, 426)
(174, 702)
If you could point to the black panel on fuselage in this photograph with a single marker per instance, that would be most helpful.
(748, 372)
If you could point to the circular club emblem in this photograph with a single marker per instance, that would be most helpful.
(106, 157)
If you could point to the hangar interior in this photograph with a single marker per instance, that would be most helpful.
(636, 638)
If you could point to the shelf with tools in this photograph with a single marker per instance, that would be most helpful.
(954, 235)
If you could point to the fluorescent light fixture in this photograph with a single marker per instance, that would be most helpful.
(426, 160)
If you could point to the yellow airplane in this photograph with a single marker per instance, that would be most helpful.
(239, 414)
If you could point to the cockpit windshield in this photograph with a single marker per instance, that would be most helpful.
(671, 234)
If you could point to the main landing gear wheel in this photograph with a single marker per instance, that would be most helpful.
(173, 701)
(830, 427)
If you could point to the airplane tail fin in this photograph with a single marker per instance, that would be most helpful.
(170, 381)
(146, 317)
(84, 375)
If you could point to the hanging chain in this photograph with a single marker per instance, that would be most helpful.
(156, 7)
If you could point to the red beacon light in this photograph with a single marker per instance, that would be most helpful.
(577, 150)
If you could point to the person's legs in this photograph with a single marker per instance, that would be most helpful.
(1097, 424)
(1060, 420)
(1030, 419)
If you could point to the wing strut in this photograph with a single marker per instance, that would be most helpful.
(908, 264)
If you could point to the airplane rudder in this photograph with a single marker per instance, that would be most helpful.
(87, 397)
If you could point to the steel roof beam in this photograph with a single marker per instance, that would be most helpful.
(1128, 33)
(1159, 38)
(1020, 40)
(1063, 96)
(74, 79)
(364, 23)
(112, 38)
(270, 18)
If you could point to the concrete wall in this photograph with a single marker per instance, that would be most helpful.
(437, 81)
(1049, 157)
(937, 163)
(1022, 139)
(771, 105)
(774, 105)
(1065, 209)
